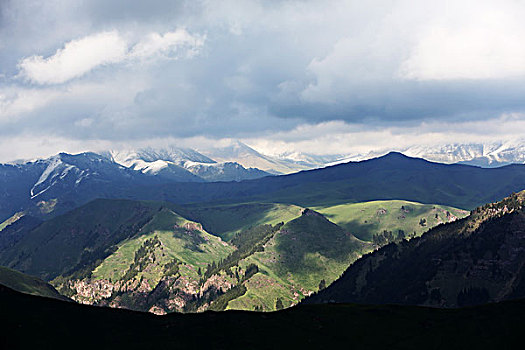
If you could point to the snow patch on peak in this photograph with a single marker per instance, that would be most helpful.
(50, 172)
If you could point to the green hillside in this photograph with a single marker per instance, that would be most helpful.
(11, 220)
(293, 263)
(162, 257)
(227, 220)
(365, 219)
(27, 284)
(474, 260)
(159, 269)
(78, 239)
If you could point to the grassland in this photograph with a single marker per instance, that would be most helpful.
(365, 219)
(196, 249)
(11, 220)
(162, 244)
(305, 251)
(227, 220)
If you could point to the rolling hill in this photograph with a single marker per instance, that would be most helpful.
(410, 219)
(474, 260)
(162, 257)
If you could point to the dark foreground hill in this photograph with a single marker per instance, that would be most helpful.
(30, 322)
(27, 284)
(471, 261)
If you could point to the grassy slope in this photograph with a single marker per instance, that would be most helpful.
(368, 218)
(307, 250)
(473, 260)
(79, 237)
(11, 220)
(32, 322)
(27, 284)
(227, 220)
(194, 251)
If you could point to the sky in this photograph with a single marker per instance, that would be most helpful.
(320, 77)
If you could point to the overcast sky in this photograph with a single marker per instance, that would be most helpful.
(314, 76)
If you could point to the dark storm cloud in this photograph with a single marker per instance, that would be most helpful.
(258, 67)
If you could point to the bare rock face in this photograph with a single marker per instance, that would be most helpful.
(191, 226)
(91, 292)
(157, 310)
(217, 283)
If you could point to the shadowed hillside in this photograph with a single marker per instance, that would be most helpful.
(27, 284)
(471, 261)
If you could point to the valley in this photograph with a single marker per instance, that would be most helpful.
(162, 257)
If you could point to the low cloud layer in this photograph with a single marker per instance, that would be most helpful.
(283, 75)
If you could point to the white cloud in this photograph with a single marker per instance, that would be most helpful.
(76, 58)
(337, 137)
(268, 67)
(484, 41)
(167, 45)
(14, 103)
(81, 56)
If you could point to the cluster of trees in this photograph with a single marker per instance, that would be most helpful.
(142, 255)
(247, 242)
(221, 302)
(172, 268)
(386, 237)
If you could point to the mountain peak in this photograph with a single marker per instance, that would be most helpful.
(394, 155)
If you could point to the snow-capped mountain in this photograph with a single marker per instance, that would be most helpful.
(284, 163)
(61, 176)
(182, 164)
(74, 178)
(164, 163)
(492, 154)
(69, 171)
(307, 160)
(225, 171)
(487, 155)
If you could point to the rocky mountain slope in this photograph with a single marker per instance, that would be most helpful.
(471, 261)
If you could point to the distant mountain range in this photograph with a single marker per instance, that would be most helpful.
(60, 183)
(182, 164)
(486, 155)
